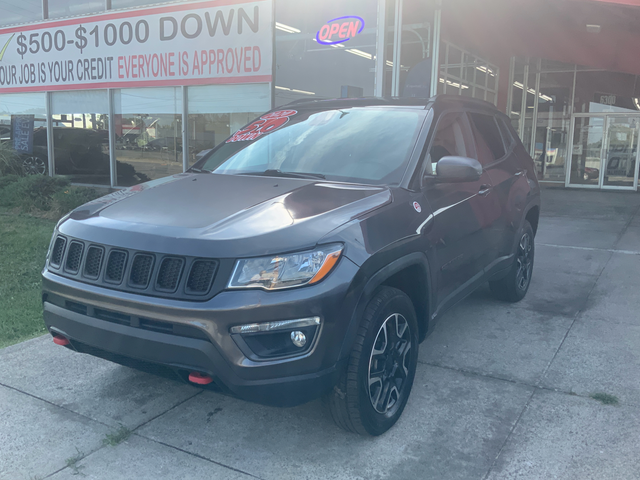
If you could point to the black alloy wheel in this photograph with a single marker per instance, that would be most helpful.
(524, 261)
(515, 284)
(388, 363)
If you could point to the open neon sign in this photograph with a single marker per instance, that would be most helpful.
(339, 30)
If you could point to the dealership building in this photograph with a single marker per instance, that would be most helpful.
(116, 92)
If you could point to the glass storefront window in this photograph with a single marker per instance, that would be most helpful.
(81, 136)
(306, 68)
(20, 12)
(530, 105)
(553, 125)
(69, 8)
(217, 111)
(597, 101)
(416, 49)
(517, 95)
(148, 124)
(465, 74)
(30, 111)
(545, 135)
(606, 92)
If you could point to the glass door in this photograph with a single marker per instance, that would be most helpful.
(586, 152)
(620, 152)
(604, 151)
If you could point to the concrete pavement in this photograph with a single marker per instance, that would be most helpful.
(502, 391)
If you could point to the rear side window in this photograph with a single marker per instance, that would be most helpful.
(506, 133)
(488, 138)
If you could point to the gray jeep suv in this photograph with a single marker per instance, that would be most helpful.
(308, 254)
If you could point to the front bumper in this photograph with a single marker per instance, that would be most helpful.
(70, 310)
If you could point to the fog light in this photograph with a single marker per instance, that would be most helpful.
(280, 338)
(299, 339)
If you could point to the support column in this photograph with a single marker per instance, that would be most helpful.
(435, 53)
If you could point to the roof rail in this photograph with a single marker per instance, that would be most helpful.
(355, 101)
(443, 97)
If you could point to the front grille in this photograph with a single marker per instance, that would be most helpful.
(115, 266)
(169, 275)
(93, 262)
(201, 276)
(141, 270)
(58, 251)
(169, 328)
(74, 257)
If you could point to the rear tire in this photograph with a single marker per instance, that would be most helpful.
(514, 286)
(374, 388)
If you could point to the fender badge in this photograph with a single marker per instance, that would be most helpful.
(417, 206)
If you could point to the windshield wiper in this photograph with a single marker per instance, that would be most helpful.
(198, 170)
(280, 173)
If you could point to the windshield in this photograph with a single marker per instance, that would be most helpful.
(363, 145)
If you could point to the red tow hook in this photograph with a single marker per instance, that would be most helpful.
(60, 340)
(200, 378)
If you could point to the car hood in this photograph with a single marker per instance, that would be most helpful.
(222, 215)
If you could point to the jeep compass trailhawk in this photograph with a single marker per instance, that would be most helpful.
(308, 254)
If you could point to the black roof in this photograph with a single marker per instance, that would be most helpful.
(393, 101)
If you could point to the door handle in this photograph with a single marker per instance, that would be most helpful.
(484, 190)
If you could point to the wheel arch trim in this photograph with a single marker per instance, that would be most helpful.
(414, 259)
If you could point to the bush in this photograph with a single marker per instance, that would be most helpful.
(36, 191)
(6, 180)
(64, 201)
(32, 192)
(10, 162)
(42, 195)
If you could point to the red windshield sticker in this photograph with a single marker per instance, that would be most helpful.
(265, 124)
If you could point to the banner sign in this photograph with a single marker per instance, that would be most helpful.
(22, 133)
(209, 42)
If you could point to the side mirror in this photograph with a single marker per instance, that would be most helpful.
(458, 169)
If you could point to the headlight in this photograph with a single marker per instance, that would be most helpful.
(283, 271)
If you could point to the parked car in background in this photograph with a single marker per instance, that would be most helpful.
(77, 151)
(308, 254)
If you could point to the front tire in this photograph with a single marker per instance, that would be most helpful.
(374, 388)
(514, 286)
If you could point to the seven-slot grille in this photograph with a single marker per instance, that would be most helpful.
(140, 272)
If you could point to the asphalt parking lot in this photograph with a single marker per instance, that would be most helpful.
(502, 391)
